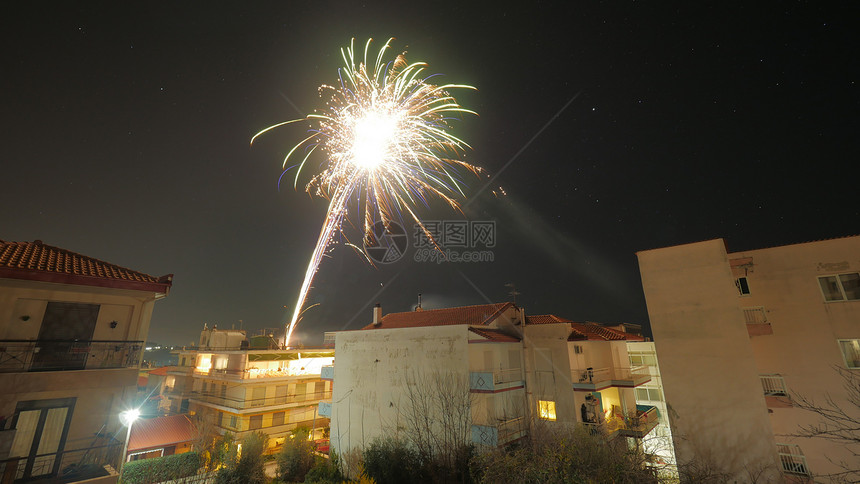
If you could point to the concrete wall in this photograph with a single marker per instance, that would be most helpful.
(710, 378)
(372, 369)
(548, 369)
(803, 347)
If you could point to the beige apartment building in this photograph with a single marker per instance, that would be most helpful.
(240, 385)
(72, 332)
(509, 371)
(741, 337)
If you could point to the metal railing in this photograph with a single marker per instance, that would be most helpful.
(773, 385)
(792, 459)
(66, 466)
(251, 373)
(242, 403)
(755, 315)
(58, 355)
(592, 375)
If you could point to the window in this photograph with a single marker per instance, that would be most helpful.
(546, 409)
(234, 422)
(649, 394)
(277, 419)
(577, 349)
(840, 287)
(851, 352)
(64, 328)
(642, 359)
(258, 397)
(256, 422)
(743, 286)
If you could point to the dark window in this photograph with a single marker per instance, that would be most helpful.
(743, 285)
(256, 422)
(277, 419)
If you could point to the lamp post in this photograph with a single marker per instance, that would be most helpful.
(127, 418)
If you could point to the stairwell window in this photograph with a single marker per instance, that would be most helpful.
(546, 409)
(743, 286)
(840, 287)
(851, 352)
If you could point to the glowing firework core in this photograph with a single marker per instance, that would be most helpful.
(374, 140)
(385, 133)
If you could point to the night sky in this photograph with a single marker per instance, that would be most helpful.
(613, 127)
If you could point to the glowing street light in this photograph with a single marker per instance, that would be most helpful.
(127, 418)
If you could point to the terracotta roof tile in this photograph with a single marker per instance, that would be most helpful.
(160, 371)
(40, 262)
(472, 315)
(596, 332)
(546, 319)
(161, 432)
(495, 335)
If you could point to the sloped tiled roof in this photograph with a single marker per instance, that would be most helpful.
(494, 335)
(546, 319)
(36, 261)
(480, 315)
(161, 432)
(596, 332)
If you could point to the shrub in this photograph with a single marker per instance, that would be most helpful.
(248, 467)
(159, 469)
(296, 457)
(389, 460)
(325, 471)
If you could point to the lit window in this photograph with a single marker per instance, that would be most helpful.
(840, 287)
(204, 363)
(546, 409)
(743, 286)
(851, 352)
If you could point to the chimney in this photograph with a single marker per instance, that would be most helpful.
(418, 307)
(377, 314)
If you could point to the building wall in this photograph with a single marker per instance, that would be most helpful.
(710, 377)
(372, 370)
(548, 373)
(803, 348)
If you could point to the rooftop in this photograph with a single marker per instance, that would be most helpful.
(480, 315)
(584, 331)
(36, 261)
(160, 432)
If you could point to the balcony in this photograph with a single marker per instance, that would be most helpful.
(324, 409)
(55, 355)
(637, 426)
(792, 459)
(492, 381)
(501, 433)
(594, 379)
(775, 391)
(253, 373)
(327, 373)
(93, 464)
(756, 321)
(258, 403)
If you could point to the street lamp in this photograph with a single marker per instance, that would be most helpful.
(127, 418)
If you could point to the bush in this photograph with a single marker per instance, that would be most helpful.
(248, 467)
(159, 469)
(325, 471)
(296, 457)
(389, 460)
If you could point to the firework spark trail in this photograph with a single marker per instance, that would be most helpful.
(385, 135)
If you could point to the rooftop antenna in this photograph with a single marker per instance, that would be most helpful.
(513, 291)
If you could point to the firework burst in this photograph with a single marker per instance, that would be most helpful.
(386, 145)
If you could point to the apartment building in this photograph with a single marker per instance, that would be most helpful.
(741, 337)
(508, 371)
(72, 332)
(232, 383)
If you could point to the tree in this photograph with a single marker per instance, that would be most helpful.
(245, 466)
(837, 422)
(296, 457)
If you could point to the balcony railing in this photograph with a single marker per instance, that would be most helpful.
(251, 373)
(243, 404)
(491, 380)
(792, 459)
(595, 378)
(66, 466)
(637, 426)
(773, 385)
(57, 355)
(327, 372)
(499, 433)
